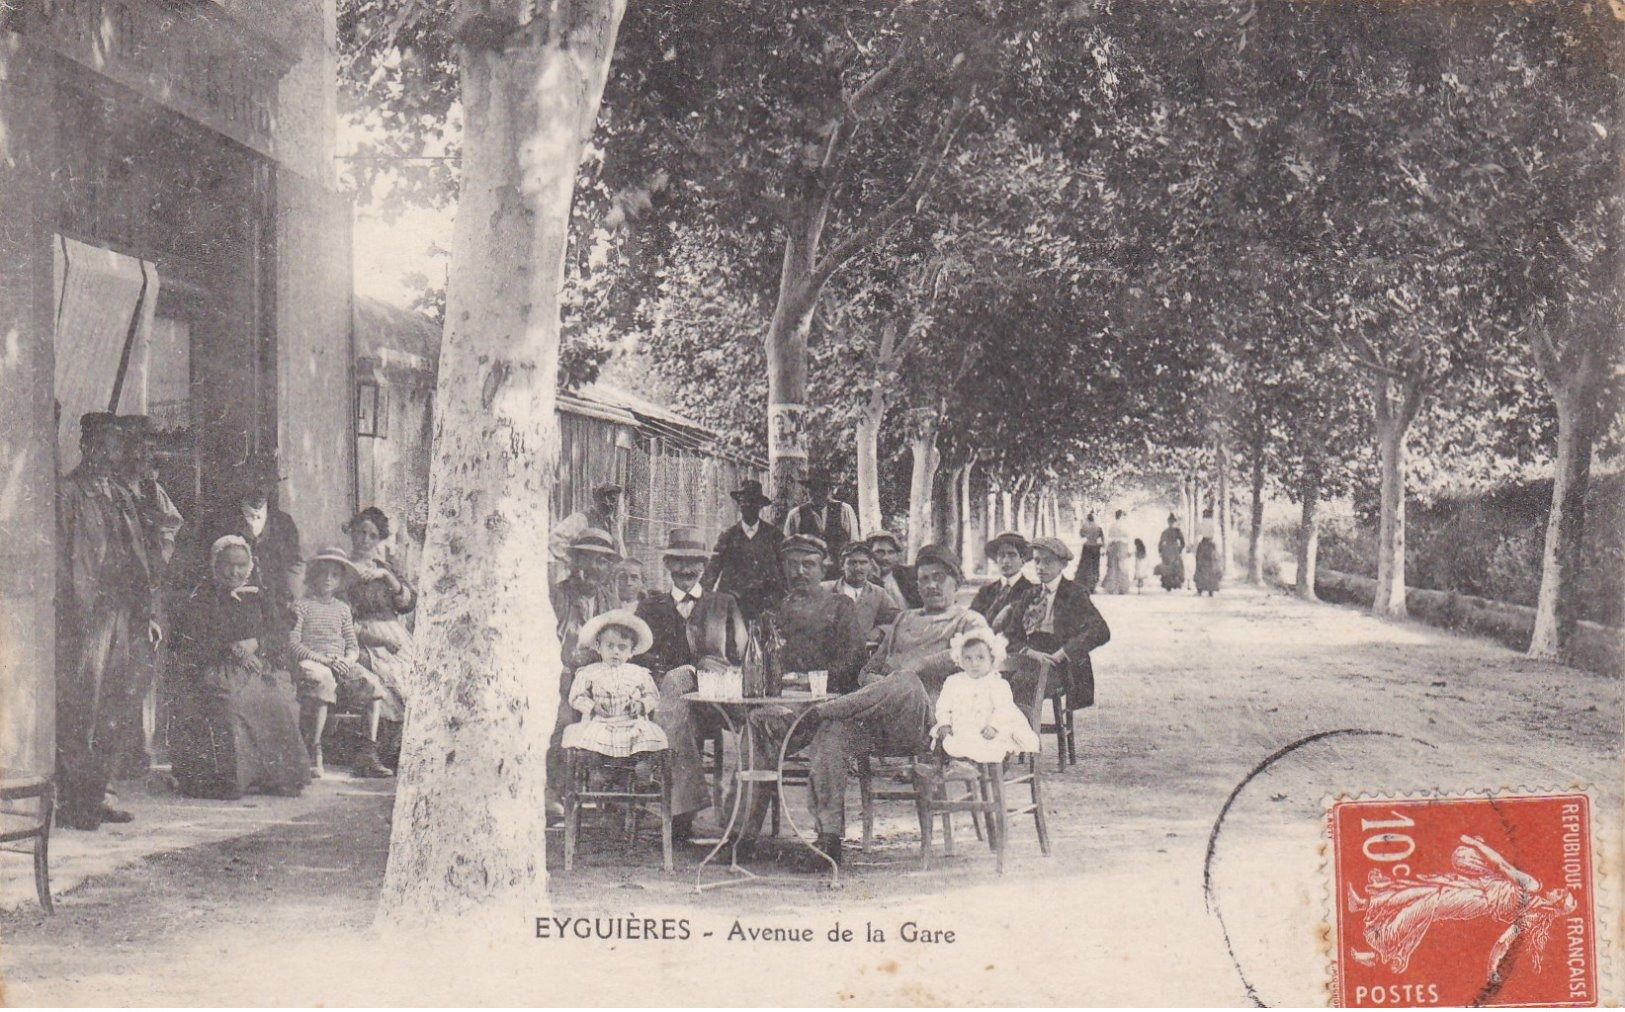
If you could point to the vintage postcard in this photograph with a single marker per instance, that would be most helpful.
(838, 503)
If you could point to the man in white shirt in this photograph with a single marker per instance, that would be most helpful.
(745, 561)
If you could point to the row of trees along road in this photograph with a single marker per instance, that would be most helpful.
(1026, 247)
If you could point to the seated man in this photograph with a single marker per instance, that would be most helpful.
(873, 609)
(692, 628)
(892, 711)
(1009, 552)
(811, 629)
(1055, 621)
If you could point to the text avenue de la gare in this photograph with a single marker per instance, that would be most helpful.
(681, 929)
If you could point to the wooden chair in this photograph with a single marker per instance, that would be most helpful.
(37, 827)
(988, 798)
(714, 763)
(619, 790)
(868, 793)
(1066, 736)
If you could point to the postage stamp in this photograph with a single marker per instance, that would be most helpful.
(1478, 900)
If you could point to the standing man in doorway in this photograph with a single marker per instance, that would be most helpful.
(102, 590)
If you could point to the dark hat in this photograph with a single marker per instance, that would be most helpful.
(804, 544)
(684, 543)
(1054, 546)
(373, 515)
(750, 490)
(591, 539)
(940, 555)
(1010, 538)
(857, 548)
(93, 422)
(605, 488)
(886, 536)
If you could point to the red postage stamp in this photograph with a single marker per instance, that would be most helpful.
(1464, 901)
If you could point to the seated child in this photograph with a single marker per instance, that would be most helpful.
(324, 643)
(977, 717)
(614, 696)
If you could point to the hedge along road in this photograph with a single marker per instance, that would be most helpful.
(1193, 694)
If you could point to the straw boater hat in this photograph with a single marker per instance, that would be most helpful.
(591, 539)
(1010, 538)
(684, 543)
(750, 490)
(1054, 546)
(337, 556)
(626, 619)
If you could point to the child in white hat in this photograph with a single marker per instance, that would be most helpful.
(614, 696)
(977, 716)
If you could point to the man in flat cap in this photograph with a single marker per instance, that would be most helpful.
(745, 562)
(1009, 553)
(102, 584)
(1057, 621)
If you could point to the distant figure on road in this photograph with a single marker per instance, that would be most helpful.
(1207, 555)
(1142, 566)
(1119, 558)
(1087, 574)
(1171, 550)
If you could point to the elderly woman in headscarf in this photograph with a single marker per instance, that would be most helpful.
(237, 727)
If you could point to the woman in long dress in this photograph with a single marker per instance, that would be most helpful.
(379, 596)
(1207, 555)
(1171, 552)
(1119, 558)
(237, 722)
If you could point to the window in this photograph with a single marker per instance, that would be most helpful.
(371, 409)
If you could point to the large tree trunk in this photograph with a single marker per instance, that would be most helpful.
(975, 536)
(1255, 531)
(923, 449)
(1308, 536)
(945, 510)
(1556, 606)
(787, 368)
(469, 834)
(868, 438)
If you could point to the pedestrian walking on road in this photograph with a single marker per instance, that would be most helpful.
(1119, 558)
(1171, 553)
(1207, 555)
(1087, 575)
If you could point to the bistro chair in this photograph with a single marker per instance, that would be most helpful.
(619, 789)
(1065, 731)
(869, 793)
(36, 826)
(987, 797)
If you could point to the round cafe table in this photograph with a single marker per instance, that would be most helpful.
(735, 712)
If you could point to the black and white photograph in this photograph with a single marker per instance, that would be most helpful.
(812, 503)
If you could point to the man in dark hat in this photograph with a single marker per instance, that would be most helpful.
(158, 522)
(745, 561)
(873, 609)
(1008, 551)
(830, 520)
(890, 572)
(692, 628)
(892, 711)
(1056, 621)
(102, 590)
(250, 512)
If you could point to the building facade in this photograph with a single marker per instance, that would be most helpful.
(174, 246)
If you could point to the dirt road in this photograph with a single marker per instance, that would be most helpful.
(1193, 694)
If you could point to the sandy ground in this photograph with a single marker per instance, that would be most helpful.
(1193, 693)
